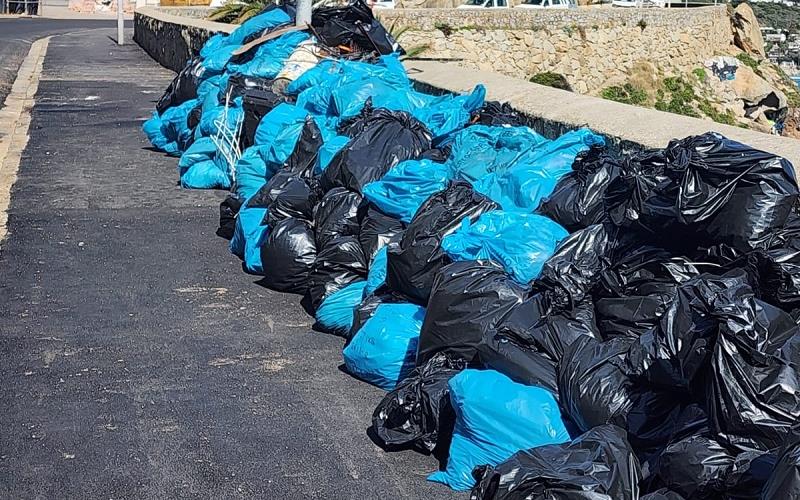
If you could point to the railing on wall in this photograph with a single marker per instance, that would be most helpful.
(29, 7)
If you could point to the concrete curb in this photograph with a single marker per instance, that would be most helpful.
(558, 111)
(160, 15)
(15, 120)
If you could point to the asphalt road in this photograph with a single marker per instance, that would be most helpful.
(137, 360)
(17, 34)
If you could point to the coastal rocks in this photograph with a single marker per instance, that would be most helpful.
(746, 32)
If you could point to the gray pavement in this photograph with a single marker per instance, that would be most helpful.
(17, 34)
(136, 359)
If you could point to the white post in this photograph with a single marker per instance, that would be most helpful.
(120, 20)
(303, 13)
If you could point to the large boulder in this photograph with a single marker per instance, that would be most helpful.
(746, 32)
(752, 88)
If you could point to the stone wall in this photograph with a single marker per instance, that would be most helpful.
(591, 47)
(171, 38)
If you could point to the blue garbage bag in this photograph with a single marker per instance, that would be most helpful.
(406, 186)
(558, 155)
(170, 131)
(217, 51)
(377, 272)
(208, 86)
(519, 242)
(315, 76)
(207, 126)
(533, 177)
(258, 23)
(270, 57)
(383, 351)
(319, 84)
(328, 150)
(213, 44)
(447, 113)
(252, 171)
(249, 236)
(495, 418)
(276, 137)
(335, 314)
(152, 129)
(281, 117)
(199, 167)
(216, 60)
(480, 150)
(349, 99)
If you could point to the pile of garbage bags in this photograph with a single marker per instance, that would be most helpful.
(548, 317)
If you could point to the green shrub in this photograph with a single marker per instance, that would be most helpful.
(681, 95)
(749, 61)
(445, 28)
(551, 79)
(627, 94)
(701, 74)
(726, 118)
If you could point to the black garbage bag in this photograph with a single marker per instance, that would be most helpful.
(336, 215)
(183, 87)
(662, 494)
(643, 195)
(339, 262)
(354, 26)
(438, 154)
(285, 195)
(705, 189)
(677, 350)
(256, 103)
(597, 465)
(288, 256)
(578, 262)
(355, 125)
(512, 357)
(753, 396)
(540, 327)
(376, 229)
(417, 258)
(239, 85)
(784, 482)
(695, 467)
(228, 210)
(733, 193)
(388, 138)
(468, 299)
(593, 385)
(193, 119)
(577, 200)
(657, 418)
(497, 114)
(699, 467)
(639, 288)
(418, 412)
(305, 152)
